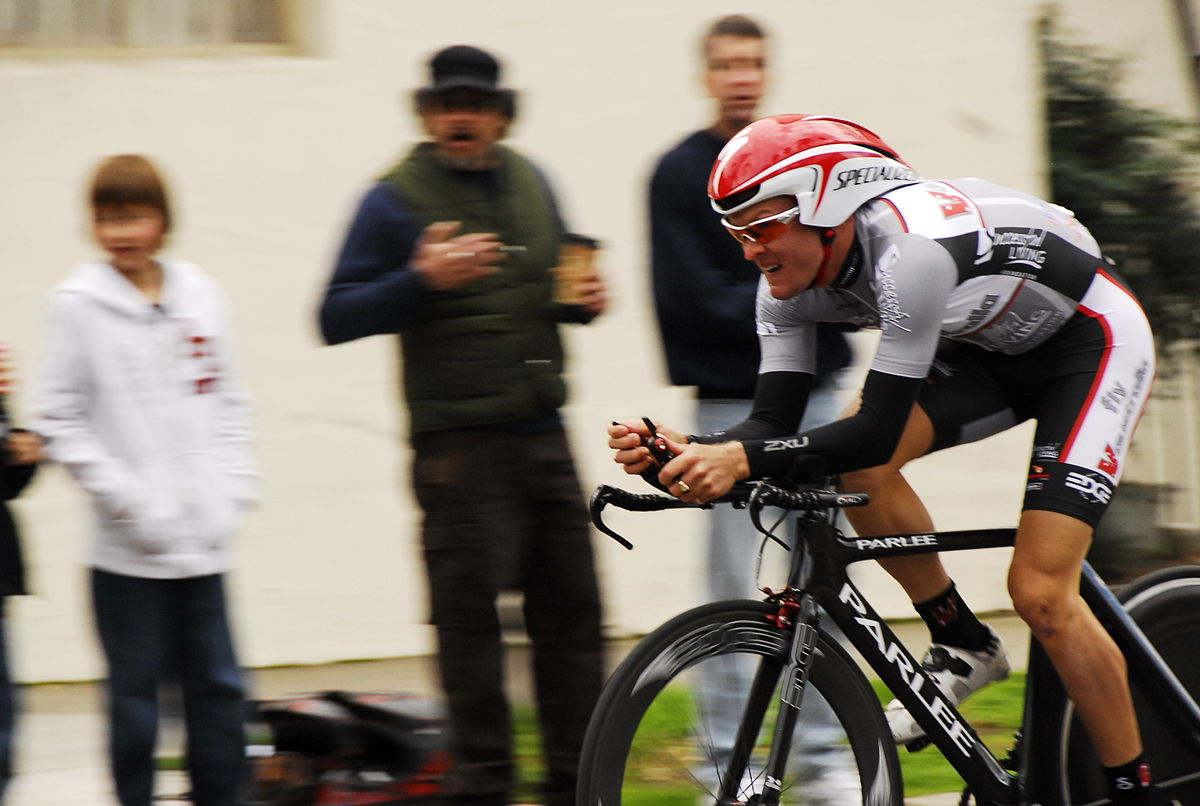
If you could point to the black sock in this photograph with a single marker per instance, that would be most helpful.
(952, 623)
(1129, 784)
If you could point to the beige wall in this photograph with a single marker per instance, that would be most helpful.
(268, 157)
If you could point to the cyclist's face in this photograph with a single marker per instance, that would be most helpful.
(790, 255)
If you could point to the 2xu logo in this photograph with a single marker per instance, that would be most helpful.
(1089, 487)
(792, 443)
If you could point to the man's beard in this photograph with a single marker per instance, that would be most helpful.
(480, 162)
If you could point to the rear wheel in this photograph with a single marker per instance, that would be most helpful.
(662, 732)
(1166, 605)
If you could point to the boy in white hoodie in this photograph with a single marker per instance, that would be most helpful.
(139, 402)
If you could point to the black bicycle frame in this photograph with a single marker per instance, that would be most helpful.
(821, 572)
(818, 573)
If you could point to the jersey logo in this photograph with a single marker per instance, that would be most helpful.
(951, 204)
(1109, 463)
(791, 443)
(1089, 488)
(890, 314)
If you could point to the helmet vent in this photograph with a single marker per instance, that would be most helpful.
(734, 199)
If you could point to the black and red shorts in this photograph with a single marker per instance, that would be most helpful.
(1086, 387)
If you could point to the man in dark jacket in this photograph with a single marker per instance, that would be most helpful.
(455, 250)
(20, 452)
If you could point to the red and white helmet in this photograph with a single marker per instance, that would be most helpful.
(831, 166)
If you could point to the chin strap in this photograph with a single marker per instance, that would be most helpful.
(848, 271)
(827, 236)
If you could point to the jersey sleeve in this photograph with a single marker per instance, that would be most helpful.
(787, 334)
(914, 279)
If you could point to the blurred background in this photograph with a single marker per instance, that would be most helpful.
(271, 118)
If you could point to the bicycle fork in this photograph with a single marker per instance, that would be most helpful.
(803, 615)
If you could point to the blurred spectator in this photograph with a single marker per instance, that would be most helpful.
(704, 292)
(139, 402)
(455, 250)
(20, 451)
(704, 289)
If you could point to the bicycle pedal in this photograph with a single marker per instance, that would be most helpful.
(918, 744)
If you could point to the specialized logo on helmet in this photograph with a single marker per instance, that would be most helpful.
(874, 173)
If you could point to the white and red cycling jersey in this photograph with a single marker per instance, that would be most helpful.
(994, 307)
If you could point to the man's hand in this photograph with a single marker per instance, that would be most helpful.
(24, 448)
(700, 473)
(628, 439)
(447, 262)
(697, 474)
(592, 295)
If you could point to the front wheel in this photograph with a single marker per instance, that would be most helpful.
(1166, 606)
(663, 730)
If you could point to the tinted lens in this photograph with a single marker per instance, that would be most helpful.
(764, 230)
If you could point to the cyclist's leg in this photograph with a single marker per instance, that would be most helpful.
(896, 509)
(1044, 584)
(1090, 389)
(961, 402)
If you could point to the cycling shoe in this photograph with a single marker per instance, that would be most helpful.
(959, 673)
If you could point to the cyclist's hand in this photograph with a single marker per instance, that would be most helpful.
(701, 473)
(628, 439)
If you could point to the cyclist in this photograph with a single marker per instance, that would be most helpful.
(994, 307)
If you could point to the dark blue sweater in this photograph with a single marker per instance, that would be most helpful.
(704, 289)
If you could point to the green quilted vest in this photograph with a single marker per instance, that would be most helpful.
(488, 352)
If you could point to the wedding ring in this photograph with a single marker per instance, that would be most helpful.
(460, 254)
(683, 487)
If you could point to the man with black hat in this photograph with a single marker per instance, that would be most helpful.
(455, 250)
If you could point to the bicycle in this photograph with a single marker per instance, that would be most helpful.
(645, 744)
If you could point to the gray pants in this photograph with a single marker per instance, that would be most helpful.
(732, 558)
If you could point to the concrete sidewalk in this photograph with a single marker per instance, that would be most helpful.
(60, 738)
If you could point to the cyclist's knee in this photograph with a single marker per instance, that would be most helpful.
(1042, 602)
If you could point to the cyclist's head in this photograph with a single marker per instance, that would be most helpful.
(831, 167)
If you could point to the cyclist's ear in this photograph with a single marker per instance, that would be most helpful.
(808, 469)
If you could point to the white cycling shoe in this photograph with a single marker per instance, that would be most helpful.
(959, 673)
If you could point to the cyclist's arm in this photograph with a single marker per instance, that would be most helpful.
(865, 439)
(779, 401)
(919, 280)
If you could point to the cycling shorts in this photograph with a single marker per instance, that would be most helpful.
(1086, 387)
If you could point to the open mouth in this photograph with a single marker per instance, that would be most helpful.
(462, 137)
(771, 269)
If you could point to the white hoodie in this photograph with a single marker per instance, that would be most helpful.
(140, 403)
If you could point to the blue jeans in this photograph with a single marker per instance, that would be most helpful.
(156, 631)
(8, 707)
